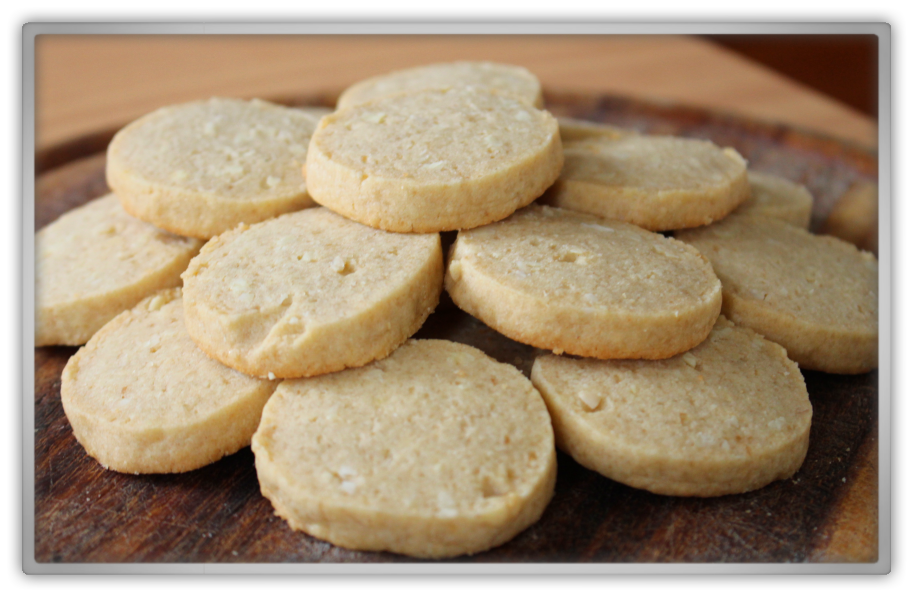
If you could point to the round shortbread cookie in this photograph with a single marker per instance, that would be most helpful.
(436, 160)
(309, 293)
(814, 295)
(572, 282)
(659, 183)
(95, 262)
(777, 197)
(572, 130)
(853, 217)
(729, 416)
(202, 168)
(437, 450)
(142, 398)
(505, 79)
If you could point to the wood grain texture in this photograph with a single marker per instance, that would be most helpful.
(86, 84)
(827, 512)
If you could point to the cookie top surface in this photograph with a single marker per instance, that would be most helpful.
(785, 269)
(313, 264)
(238, 159)
(98, 249)
(588, 262)
(433, 160)
(437, 430)
(731, 414)
(734, 394)
(576, 283)
(142, 398)
(774, 196)
(506, 79)
(277, 284)
(651, 163)
(659, 183)
(143, 371)
(443, 135)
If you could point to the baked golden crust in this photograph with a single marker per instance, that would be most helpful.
(656, 182)
(309, 293)
(142, 398)
(95, 262)
(575, 283)
(504, 79)
(814, 295)
(728, 416)
(436, 160)
(435, 451)
(202, 168)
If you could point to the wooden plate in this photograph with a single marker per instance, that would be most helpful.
(827, 512)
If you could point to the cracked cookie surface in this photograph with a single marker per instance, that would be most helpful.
(309, 293)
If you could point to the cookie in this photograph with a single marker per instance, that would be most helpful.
(504, 79)
(436, 451)
(435, 160)
(142, 398)
(572, 130)
(659, 183)
(309, 293)
(202, 168)
(777, 197)
(96, 261)
(571, 282)
(814, 295)
(729, 416)
(854, 216)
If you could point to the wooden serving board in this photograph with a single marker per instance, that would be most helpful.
(827, 512)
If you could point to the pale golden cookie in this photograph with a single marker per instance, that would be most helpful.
(435, 451)
(435, 160)
(854, 216)
(572, 130)
(505, 79)
(142, 398)
(309, 293)
(96, 261)
(814, 295)
(202, 168)
(571, 282)
(659, 183)
(773, 196)
(729, 416)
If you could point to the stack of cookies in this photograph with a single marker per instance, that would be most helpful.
(289, 329)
